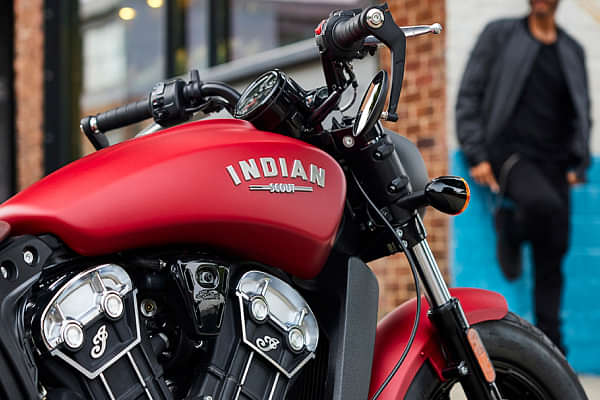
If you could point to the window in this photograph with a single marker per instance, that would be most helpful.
(128, 45)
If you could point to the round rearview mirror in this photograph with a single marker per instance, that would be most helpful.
(372, 104)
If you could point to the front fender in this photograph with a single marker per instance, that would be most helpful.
(394, 330)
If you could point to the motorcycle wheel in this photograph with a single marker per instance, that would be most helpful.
(528, 365)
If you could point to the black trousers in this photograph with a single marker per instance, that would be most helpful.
(540, 192)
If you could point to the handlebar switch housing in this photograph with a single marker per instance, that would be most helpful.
(328, 46)
(167, 102)
(341, 39)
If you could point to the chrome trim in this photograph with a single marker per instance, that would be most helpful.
(108, 390)
(259, 300)
(303, 314)
(417, 30)
(247, 368)
(409, 31)
(281, 188)
(348, 141)
(375, 18)
(64, 335)
(94, 125)
(97, 280)
(139, 375)
(266, 357)
(93, 374)
(244, 375)
(122, 286)
(107, 296)
(436, 289)
(274, 386)
(291, 333)
(286, 305)
(153, 127)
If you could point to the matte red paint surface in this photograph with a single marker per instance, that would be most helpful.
(394, 330)
(172, 187)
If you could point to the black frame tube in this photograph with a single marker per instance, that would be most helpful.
(7, 122)
(62, 83)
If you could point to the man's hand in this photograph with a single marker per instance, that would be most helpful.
(573, 179)
(482, 173)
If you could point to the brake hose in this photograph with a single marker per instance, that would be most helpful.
(413, 268)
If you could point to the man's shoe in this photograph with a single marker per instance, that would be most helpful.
(508, 249)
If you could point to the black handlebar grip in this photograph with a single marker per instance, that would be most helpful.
(124, 115)
(347, 32)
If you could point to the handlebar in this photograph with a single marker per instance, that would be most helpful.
(121, 116)
(93, 126)
(169, 102)
(347, 32)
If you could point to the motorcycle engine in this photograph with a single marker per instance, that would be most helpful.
(99, 335)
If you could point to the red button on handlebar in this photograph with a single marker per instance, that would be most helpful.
(319, 28)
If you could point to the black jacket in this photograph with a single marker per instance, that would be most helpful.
(493, 81)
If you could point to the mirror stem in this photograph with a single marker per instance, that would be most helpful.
(325, 108)
(413, 201)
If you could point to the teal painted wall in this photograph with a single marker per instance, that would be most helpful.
(473, 264)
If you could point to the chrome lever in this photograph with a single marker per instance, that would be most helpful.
(409, 31)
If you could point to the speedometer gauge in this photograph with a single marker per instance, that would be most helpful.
(257, 95)
(274, 103)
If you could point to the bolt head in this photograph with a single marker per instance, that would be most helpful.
(148, 308)
(348, 142)
(296, 339)
(113, 305)
(375, 18)
(28, 257)
(260, 308)
(72, 335)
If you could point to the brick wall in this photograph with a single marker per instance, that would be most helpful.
(422, 118)
(29, 86)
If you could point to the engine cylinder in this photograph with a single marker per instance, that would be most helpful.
(269, 334)
(94, 340)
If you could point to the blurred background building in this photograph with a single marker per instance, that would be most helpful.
(61, 60)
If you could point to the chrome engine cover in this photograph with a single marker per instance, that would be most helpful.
(265, 299)
(98, 294)
(268, 336)
(91, 323)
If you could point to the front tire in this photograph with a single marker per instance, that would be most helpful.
(528, 365)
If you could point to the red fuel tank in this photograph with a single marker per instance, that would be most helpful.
(222, 183)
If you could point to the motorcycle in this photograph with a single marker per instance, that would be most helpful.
(226, 258)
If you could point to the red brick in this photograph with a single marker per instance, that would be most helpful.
(29, 86)
(423, 105)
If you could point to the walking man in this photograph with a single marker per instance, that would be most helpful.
(523, 122)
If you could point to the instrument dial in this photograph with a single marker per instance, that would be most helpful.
(256, 94)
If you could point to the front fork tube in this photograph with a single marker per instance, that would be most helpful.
(447, 315)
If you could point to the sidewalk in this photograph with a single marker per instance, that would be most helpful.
(591, 384)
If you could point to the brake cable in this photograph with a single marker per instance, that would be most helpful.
(413, 268)
(354, 83)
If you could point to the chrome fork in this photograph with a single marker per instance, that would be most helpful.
(438, 296)
(436, 290)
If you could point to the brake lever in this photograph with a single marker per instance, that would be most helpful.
(381, 25)
(409, 31)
